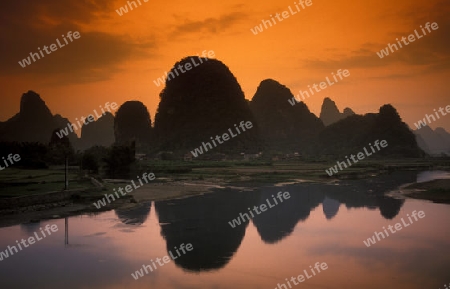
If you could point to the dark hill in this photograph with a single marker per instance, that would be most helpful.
(34, 122)
(201, 103)
(352, 134)
(133, 123)
(62, 122)
(434, 142)
(284, 128)
(99, 132)
(330, 114)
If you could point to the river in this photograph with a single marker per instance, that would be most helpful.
(325, 223)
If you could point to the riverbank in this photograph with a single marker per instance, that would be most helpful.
(437, 191)
(63, 204)
(203, 178)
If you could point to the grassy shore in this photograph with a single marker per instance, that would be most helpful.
(176, 179)
(16, 182)
(283, 171)
(437, 191)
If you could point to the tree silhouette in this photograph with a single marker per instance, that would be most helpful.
(119, 160)
(59, 149)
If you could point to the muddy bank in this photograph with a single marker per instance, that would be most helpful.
(437, 191)
(41, 201)
(70, 203)
(57, 205)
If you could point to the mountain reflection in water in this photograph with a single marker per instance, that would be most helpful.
(203, 220)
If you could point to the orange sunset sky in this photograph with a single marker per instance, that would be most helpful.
(117, 57)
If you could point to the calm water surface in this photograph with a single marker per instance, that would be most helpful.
(319, 223)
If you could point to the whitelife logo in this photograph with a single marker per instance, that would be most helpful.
(169, 76)
(225, 137)
(124, 9)
(411, 38)
(300, 278)
(90, 118)
(31, 240)
(398, 227)
(360, 156)
(53, 48)
(12, 160)
(166, 259)
(428, 117)
(284, 14)
(128, 189)
(262, 207)
(323, 85)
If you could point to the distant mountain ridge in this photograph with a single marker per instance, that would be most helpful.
(33, 123)
(98, 133)
(330, 114)
(207, 101)
(201, 104)
(434, 142)
(283, 127)
(36, 123)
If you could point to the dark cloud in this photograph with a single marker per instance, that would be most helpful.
(209, 25)
(361, 58)
(92, 57)
(27, 25)
(28, 12)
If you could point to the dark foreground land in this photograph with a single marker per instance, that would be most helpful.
(34, 194)
(437, 191)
